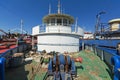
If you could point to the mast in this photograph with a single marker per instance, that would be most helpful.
(21, 26)
(76, 25)
(58, 6)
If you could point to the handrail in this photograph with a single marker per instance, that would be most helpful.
(109, 43)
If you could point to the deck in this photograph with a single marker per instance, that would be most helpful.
(92, 68)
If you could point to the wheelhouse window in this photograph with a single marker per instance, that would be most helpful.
(48, 22)
(65, 22)
(59, 21)
(53, 21)
(69, 22)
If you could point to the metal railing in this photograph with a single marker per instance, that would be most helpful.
(74, 29)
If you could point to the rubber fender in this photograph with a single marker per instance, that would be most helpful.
(50, 68)
(62, 59)
(73, 68)
(54, 60)
(56, 76)
(69, 60)
(50, 65)
(2, 68)
(115, 60)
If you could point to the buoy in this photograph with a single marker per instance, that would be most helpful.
(80, 59)
(76, 60)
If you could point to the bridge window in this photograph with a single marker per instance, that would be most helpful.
(48, 22)
(65, 22)
(59, 21)
(53, 21)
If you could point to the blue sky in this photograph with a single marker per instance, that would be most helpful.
(32, 12)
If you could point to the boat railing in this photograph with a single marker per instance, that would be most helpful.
(108, 51)
(72, 30)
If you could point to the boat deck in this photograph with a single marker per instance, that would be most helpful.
(92, 68)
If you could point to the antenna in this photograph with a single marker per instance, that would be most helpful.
(21, 26)
(76, 25)
(76, 20)
(49, 8)
(58, 6)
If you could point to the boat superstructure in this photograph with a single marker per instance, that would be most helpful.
(57, 34)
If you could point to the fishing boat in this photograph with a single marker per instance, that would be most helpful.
(57, 50)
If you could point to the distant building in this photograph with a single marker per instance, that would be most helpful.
(88, 35)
